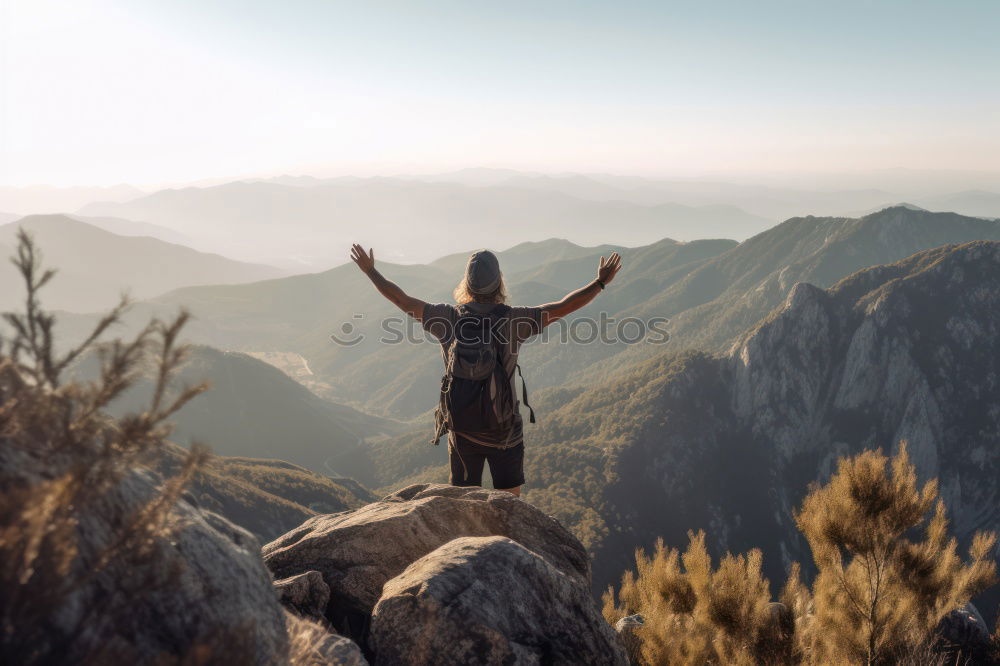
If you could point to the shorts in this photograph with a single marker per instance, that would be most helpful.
(506, 465)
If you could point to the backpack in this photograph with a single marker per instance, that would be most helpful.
(476, 393)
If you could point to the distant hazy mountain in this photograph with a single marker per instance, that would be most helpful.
(775, 202)
(477, 176)
(875, 209)
(972, 202)
(44, 199)
(96, 266)
(412, 220)
(297, 181)
(777, 198)
(8, 217)
(122, 227)
(255, 410)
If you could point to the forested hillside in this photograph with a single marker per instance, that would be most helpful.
(267, 497)
(255, 410)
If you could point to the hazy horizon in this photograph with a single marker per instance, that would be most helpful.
(896, 178)
(106, 91)
(303, 223)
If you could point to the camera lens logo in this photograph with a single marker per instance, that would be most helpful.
(349, 334)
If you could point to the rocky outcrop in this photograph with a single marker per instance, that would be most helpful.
(358, 551)
(437, 574)
(198, 591)
(489, 600)
(305, 594)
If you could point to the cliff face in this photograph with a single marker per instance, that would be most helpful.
(900, 352)
(904, 352)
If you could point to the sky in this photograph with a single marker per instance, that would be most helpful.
(98, 92)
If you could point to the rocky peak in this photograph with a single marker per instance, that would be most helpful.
(491, 578)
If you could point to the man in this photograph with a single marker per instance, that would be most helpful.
(480, 339)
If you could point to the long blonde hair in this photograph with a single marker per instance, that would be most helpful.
(463, 294)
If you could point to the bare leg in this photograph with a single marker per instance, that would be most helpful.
(516, 490)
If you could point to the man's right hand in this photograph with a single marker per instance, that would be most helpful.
(364, 260)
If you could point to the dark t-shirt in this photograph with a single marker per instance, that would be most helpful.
(439, 320)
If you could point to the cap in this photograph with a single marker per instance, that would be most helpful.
(482, 274)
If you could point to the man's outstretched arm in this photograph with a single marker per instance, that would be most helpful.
(366, 262)
(606, 271)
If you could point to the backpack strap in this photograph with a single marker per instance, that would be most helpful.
(503, 310)
(524, 395)
(440, 420)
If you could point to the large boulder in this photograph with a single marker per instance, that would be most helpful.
(305, 594)
(489, 600)
(358, 551)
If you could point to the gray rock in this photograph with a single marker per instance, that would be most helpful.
(489, 600)
(358, 551)
(305, 594)
(200, 591)
(627, 630)
(964, 632)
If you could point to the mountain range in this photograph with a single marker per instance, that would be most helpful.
(730, 444)
(299, 314)
(410, 220)
(44, 199)
(711, 291)
(96, 266)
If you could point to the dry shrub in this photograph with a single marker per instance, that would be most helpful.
(878, 597)
(60, 454)
(305, 641)
(878, 594)
(694, 613)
